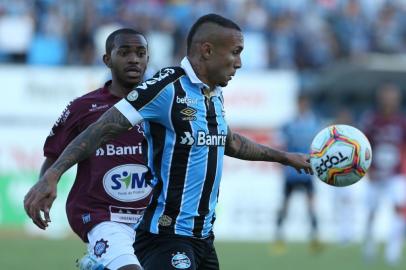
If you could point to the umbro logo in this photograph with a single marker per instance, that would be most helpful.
(188, 111)
(187, 139)
(189, 114)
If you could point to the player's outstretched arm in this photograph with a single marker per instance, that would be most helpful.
(45, 165)
(240, 147)
(43, 193)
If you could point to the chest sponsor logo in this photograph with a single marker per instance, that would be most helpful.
(204, 139)
(112, 150)
(188, 114)
(187, 139)
(127, 183)
(159, 77)
(186, 100)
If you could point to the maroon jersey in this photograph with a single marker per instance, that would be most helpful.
(110, 184)
(387, 136)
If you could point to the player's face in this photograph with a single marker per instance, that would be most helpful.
(129, 58)
(226, 58)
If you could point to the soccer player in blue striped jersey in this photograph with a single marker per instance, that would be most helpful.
(188, 136)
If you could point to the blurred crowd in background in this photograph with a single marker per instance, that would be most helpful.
(292, 34)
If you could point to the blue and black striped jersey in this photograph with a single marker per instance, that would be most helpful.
(186, 134)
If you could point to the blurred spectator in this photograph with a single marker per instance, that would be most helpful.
(16, 31)
(388, 31)
(49, 45)
(352, 29)
(307, 125)
(282, 40)
(303, 34)
(386, 131)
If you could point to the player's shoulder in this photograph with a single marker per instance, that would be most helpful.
(162, 78)
(81, 103)
(89, 97)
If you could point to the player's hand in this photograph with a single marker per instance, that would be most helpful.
(299, 161)
(40, 199)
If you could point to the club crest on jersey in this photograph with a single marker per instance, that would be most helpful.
(100, 247)
(133, 95)
(127, 183)
(188, 114)
(165, 221)
(180, 260)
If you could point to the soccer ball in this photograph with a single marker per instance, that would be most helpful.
(340, 155)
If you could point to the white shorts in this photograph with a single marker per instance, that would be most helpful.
(111, 243)
(393, 188)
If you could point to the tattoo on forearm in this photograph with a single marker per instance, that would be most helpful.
(106, 128)
(240, 147)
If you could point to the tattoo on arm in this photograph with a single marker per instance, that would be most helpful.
(47, 163)
(109, 125)
(240, 147)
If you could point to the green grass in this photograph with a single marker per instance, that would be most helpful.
(19, 252)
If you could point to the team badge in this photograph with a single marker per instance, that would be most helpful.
(100, 248)
(165, 220)
(133, 95)
(180, 261)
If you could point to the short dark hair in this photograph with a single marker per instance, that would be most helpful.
(112, 36)
(209, 18)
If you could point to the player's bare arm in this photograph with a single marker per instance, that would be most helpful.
(43, 193)
(109, 125)
(47, 163)
(240, 147)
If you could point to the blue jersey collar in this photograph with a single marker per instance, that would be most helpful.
(187, 67)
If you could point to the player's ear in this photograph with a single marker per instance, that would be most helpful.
(107, 60)
(206, 50)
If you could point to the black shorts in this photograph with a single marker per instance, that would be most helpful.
(306, 186)
(165, 252)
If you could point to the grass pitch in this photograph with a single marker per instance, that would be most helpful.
(19, 252)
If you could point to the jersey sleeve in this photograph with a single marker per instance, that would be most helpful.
(152, 99)
(63, 132)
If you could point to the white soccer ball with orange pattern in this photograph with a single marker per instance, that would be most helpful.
(340, 155)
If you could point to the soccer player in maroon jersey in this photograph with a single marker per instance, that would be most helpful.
(110, 191)
(386, 130)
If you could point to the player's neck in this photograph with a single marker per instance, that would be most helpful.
(118, 90)
(201, 72)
